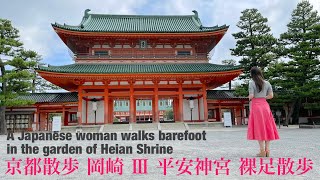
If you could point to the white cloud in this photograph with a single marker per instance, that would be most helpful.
(33, 18)
(316, 4)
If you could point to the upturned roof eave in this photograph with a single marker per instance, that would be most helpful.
(75, 74)
(62, 29)
(136, 69)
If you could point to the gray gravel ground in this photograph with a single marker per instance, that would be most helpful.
(228, 143)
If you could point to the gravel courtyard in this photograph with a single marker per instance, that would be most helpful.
(227, 143)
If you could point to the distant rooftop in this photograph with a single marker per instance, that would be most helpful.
(140, 24)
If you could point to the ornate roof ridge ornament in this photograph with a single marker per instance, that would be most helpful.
(196, 19)
(86, 13)
(195, 13)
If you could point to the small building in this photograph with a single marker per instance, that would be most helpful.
(138, 68)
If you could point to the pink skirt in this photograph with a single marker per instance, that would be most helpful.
(261, 124)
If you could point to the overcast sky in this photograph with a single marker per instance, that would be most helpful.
(34, 17)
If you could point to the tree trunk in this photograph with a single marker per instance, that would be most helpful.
(34, 82)
(3, 122)
(289, 111)
(296, 114)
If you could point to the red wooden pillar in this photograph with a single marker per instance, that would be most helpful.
(37, 119)
(63, 113)
(205, 104)
(110, 111)
(132, 105)
(175, 107)
(64, 116)
(242, 114)
(198, 99)
(220, 111)
(134, 110)
(153, 109)
(217, 114)
(79, 105)
(87, 107)
(180, 110)
(106, 104)
(156, 102)
(66, 120)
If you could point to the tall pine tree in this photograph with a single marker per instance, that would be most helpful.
(255, 45)
(15, 78)
(300, 73)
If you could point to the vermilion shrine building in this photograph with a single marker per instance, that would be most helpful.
(137, 68)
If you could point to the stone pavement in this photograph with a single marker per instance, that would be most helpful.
(227, 143)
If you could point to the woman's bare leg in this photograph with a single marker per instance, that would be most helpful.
(267, 145)
(261, 144)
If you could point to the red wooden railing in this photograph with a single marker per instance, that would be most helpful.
(141, 56)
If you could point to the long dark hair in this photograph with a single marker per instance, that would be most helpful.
(257, 77)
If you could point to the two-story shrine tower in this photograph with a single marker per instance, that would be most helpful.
(135, 59)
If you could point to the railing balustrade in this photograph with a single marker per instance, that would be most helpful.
(140, 56)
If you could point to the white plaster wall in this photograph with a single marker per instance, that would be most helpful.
(187, 111)
(84, 111)
(124, 83)
(113, 83)
(98, 83)
(201, 109)
(173, 82)
(88, 83)
(139, 82)
(100, 112)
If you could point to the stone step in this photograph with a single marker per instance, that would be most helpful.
(116, 127)
(71, 129)
(202, 125)
(83, 128)
(144, 126)
(306, 126)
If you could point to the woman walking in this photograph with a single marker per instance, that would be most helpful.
(261, 124)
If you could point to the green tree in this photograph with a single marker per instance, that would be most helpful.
(229, 62)
(38, 83)
(255, 45)
(283, 98)
(15, 76)
(169, 114)
(301, 46)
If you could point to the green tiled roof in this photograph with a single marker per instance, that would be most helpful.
(139, 68)
(139, 24)
(223, 94)
(51, 97)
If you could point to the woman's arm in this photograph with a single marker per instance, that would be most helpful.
(270, 95)
(251, 90)
(250, 97)
(269, 92)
